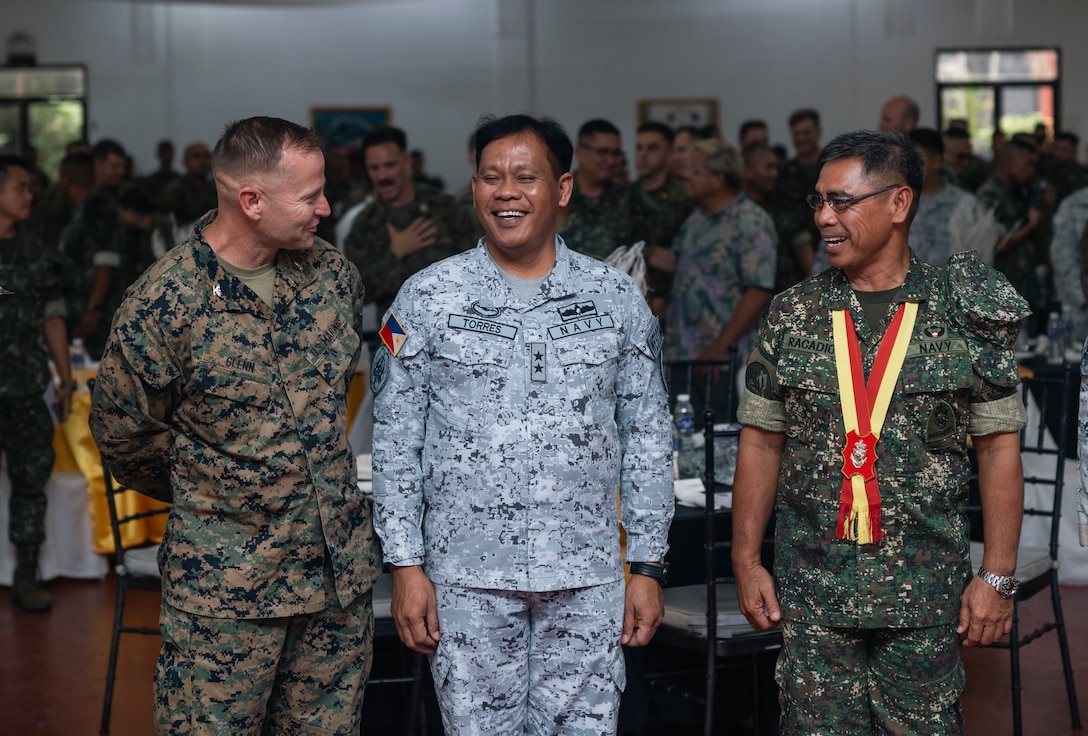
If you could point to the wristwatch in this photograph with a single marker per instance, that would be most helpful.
(1005, 585)
(660, 573)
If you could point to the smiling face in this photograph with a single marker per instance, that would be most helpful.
(517, 196)
(599, 156)
(858, 238)
(390, 171)
(294, 200)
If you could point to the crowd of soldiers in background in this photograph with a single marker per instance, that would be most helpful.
(695, 200)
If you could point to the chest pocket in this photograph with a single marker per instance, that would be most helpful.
(469, 380)
(231, 405)
(590, 365)
(936, 395)
(810, 392)
(333, 359)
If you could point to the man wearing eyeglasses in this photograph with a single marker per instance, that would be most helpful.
(599, 216)
(859, 395)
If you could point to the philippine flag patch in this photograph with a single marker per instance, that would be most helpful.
(392, 334)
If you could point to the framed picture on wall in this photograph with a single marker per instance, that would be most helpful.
(677, 112)
(345, 125)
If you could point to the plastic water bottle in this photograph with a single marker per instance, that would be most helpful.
(1055, 351)
(683, 422)
(78, 356)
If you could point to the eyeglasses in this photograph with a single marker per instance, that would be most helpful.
(603, 152)
(839, 204)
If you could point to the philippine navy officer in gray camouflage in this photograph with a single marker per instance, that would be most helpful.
(860, 392)
(224, 389)
(515, 383)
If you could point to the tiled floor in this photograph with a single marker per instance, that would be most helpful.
(52, 668)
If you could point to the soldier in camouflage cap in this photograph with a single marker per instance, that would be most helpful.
(514, 384)
(224, 389)
(861, 390)
(31, 317)
(409, 225)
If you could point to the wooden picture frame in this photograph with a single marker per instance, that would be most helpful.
(347, 125)
(680, 111)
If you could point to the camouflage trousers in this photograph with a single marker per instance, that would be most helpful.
(26, 439)
(855, 682)
(512, 662)
(298, 676)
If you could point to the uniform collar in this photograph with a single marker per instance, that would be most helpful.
(914, 289)
(294, 270)
(557, 285)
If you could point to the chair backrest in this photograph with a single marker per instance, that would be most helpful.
(1055, 395)
(712, 384)
(145, 508)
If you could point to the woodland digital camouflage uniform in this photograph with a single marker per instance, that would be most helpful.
(717, 258)
(596, 226)
(657, 216)
(32, 275)
(200, 401)
(795, 182)
(791, 233)
(236, 411)
(959, 377)
(368, 246)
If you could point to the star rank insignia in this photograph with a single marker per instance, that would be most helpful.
(538, 362)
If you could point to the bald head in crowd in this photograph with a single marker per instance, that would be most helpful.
(899, 114)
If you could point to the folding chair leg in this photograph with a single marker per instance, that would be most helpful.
(111, 668)
(1067, 664)
(1014, 659)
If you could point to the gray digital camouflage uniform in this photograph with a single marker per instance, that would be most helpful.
(237, 412)
(959, 378)
(501, 428)
(32, 275)
(952, 221)
(1082, 451)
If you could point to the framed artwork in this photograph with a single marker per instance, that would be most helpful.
(677, 112)
(340, 125)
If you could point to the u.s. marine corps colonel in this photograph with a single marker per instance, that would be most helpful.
(224, 389)
(515, 383)
(860, 392)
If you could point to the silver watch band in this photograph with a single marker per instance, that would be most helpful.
(1005, 585)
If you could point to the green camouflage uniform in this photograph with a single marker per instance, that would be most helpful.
(1018, 263)
(52, 213)
(32, 275)
(795, 182)
(959, 378)
(657, 217)
(792, 233)
(367, 246)
(718, 257)
(187, 199)
(237, 412)
(596, 226)
(95, 237)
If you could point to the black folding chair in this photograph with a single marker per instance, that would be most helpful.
(1037, 567)
(137, 569)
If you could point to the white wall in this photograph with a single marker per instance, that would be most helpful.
(182, 70)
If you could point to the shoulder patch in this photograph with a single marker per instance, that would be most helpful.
(392, 334)
(757, 379)
(379, 370)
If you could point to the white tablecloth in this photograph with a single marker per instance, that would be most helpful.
(66, 551)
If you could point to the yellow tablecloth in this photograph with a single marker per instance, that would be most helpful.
(76, 452)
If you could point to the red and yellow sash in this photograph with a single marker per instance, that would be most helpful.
(864, 407)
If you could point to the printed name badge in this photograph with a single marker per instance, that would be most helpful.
(392, 334)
